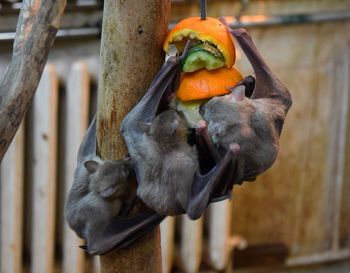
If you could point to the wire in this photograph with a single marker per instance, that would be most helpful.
(203, 9)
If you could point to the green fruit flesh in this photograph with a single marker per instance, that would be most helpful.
(190, 110)
(203, 55)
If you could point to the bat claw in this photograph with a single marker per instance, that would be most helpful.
(201, 126)
(223, 20)
(84, 247)
(237, 32)
(186, 49)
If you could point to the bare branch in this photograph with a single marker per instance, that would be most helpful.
(29, 11)
(36, 31)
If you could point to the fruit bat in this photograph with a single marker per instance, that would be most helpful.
(100, 198)
(253, 124)
(166, 166)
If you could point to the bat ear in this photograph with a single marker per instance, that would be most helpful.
(145, 126)
(238, 93)
(91, 166)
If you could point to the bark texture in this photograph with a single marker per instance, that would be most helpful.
(36, 31)
(133, 32)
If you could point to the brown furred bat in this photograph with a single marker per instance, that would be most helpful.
(166, 166)
(253, 123)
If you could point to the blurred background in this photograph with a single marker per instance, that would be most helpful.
(293, 218)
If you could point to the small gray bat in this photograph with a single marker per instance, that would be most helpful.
(99, 189)
(166, 166)
(101, 196)
(171, 165)
(253, 123)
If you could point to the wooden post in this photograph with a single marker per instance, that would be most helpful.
(133, 32)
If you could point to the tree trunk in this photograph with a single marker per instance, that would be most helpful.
(131, 54)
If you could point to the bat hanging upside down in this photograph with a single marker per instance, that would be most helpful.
(101, 197)
(253, 123)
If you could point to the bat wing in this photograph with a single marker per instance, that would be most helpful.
(146, 110)
(205, 145)
(209, 156)
(267, 84)
(88, 144)
(122, 232)
(230, 177)
(204, 186)
(249, 84)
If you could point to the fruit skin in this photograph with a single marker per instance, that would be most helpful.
(211, 30)
(203, 84)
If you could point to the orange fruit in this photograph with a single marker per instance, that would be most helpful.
(210, 30)
(204, 84)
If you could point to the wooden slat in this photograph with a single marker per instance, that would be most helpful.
(167, 230)
(344, 228)
(76, 116)
(191, 244)
(338, 141)
(219, 234)
(12, 187)
(96, 264)
(44, 126)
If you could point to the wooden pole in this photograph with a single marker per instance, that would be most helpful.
(133, 32)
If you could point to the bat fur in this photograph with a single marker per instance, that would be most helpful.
(253, 123)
